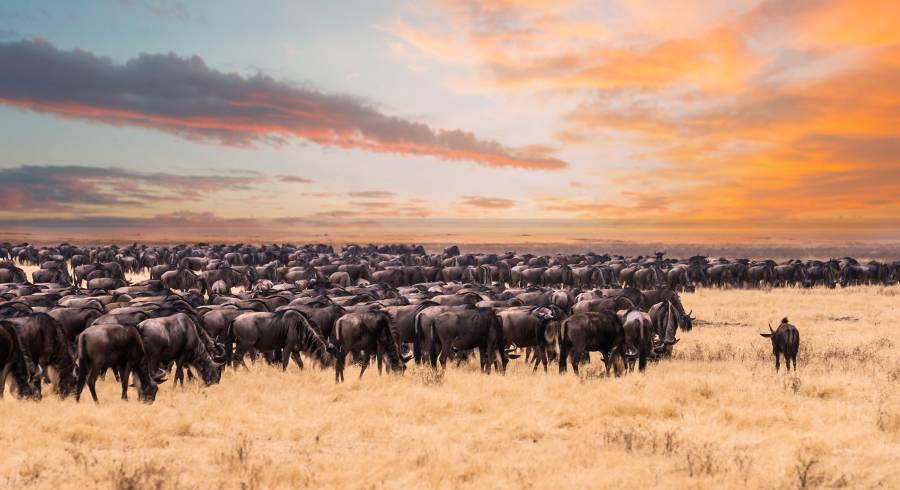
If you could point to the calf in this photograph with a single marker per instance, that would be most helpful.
(785, 342)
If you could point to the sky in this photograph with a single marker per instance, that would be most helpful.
(451, 120)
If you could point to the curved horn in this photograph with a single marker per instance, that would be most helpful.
(159, 376)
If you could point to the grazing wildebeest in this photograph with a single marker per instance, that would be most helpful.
(592, 331)
(665, 320)
(368, 332)
(638, 334)
(182, 279)
(785, 342)
(15, 361)
(12, 274)
(111, 345)
(177, 338)
(526, 326)
(459, 330)
(42, 338)
(288, 330)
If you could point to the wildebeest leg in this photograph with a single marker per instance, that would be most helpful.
(777, 361)
(239, 354)
(379, 357)
(125, 369)
(364, 363)
(299, 360)
(576, 360)
(541, 358)
(461, 356)
(483, 358)
(83, 370)
(443, 356)
(92, 384)
(340, 359)
(285, 359)
(179, 373)
(3, 374)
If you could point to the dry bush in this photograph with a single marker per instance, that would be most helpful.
(145, 476)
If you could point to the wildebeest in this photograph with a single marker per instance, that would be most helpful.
(177, 338)
(288, 330)
(111, 345)
(471, 328)
(15, 361)
(368, 333)
(182, 279)
(638, 337)
(785, 342)
(527, 326)
(12, 274)
(665, 320)
(581, 333)
(42, 338)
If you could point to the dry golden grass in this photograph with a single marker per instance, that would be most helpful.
(717, 416)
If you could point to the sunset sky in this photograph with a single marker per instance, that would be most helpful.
(516, 120)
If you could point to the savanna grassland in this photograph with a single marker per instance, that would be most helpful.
(716, 416)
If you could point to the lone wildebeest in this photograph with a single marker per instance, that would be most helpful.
(785, 342)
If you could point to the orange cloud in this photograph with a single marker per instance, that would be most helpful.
(487, 202)
(778, 113)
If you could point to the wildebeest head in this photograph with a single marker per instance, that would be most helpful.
(147, 391)
(687, 322)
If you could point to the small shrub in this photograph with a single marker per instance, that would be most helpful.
(702, 461)
(149, 475)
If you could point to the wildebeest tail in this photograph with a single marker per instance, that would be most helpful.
(540, 332)
(229, 341)
(82, 359)
(338, 342)
(563, 344)
(417, 338)
(432, 347)
(390, 339)
(417, 330)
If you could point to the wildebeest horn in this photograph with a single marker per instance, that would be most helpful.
(159, 376)
(770, 328)
(218, 352)
(406, 358)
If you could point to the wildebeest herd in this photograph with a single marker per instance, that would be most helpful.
(206, 306)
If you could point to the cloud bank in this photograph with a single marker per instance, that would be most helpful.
(184, 97)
